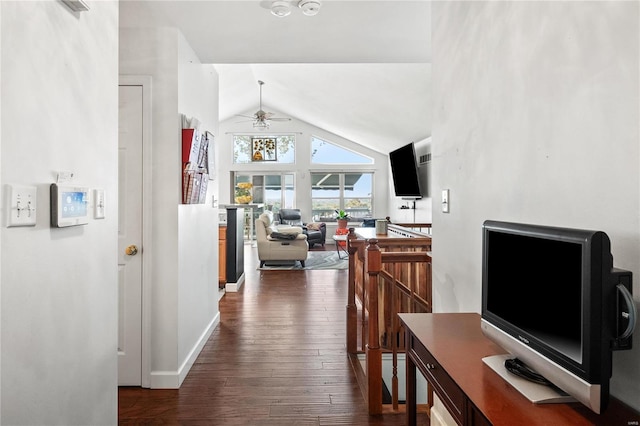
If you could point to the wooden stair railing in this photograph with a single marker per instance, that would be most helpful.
(386, 277)
(352, 309)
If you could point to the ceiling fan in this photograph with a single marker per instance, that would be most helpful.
(262, 119)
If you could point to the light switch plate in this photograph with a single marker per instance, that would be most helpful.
(21, 205)
(98, 203)
(445, 201)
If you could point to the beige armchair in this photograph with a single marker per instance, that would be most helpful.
(279, 242)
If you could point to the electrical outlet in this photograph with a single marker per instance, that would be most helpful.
(445, 201)
(21, 205)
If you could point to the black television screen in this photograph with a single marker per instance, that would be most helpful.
(404, 171)
(550, 297)
(554, 284)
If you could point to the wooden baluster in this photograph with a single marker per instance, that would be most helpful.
(373, 263)
(363, 288)
(395, 301)
(429, 289)
(413, 285)
(352, 309)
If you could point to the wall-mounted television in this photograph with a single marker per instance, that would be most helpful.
(404, 171)
(552, 299)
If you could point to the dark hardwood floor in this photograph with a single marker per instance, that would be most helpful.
(277, 358)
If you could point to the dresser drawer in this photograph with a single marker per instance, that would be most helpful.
(446, 389)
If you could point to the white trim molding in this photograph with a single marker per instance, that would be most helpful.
(174, 379)
(145, 81)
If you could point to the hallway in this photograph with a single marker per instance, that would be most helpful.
(277, 358)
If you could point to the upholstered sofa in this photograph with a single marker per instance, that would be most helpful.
(316, 232)
(279, 242)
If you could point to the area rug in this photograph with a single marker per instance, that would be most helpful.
(315, 260)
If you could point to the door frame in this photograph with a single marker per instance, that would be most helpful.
(145, 82)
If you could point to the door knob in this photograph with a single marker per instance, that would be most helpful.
(132, 250)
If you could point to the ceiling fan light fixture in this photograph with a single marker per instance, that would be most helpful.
(262, 119)
(310, 7)
(260, 124)
(280, 9)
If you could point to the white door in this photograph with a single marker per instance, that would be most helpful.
(130, 236)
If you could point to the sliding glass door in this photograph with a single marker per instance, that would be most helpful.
(274, 191)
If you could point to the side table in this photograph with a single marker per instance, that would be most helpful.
(341, 245)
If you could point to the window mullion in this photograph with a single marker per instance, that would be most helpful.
(341, 181)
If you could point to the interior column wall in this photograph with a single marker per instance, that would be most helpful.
(198, 312)
(154, 52)
(184, 308)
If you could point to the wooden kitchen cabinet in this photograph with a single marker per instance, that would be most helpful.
(222, 256)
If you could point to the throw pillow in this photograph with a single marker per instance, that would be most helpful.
(283, 236)
(313, 226)
(288, 230)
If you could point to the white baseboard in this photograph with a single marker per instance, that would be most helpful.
(164, 380)
(173, 379)
(235, 287)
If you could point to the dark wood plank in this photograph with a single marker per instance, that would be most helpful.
(278, 357)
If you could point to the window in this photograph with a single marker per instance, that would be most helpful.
(348, 191)
(275, 190)
(243, 148)
(323, 152)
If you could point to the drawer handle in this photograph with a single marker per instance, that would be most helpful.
(431, 366)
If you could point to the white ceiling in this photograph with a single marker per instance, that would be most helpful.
(359, 69)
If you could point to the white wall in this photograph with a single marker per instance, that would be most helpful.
(0, 209)
(198, 313)
(59, 293)
(535, 120)
(184, 303)
(198, 224)
(154, 52)
(303, 132)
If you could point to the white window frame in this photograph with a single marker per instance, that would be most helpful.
(330, 217)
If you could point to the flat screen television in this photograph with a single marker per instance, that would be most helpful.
(552, 299)
(404, 171)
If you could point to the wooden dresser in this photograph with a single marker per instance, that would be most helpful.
(448, 350)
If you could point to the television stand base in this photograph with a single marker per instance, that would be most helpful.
(534, 392)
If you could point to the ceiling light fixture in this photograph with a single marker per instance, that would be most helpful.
(309, 7)
(280, 9)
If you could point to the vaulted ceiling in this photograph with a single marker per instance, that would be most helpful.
(359, 69)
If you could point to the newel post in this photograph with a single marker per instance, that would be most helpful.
(373, 264)
(352, 309)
